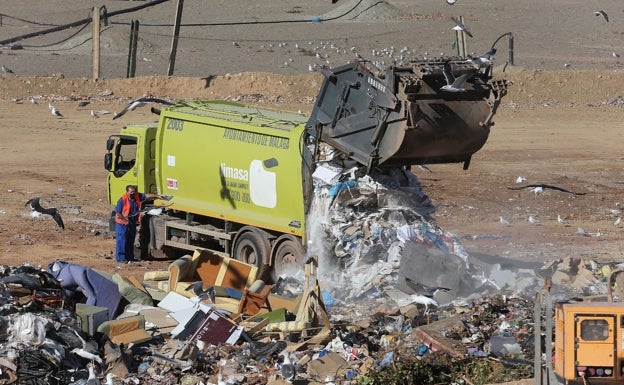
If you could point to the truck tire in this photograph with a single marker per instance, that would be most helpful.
(250, 248)
(288, 257)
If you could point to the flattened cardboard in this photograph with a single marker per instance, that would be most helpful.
(331, 366)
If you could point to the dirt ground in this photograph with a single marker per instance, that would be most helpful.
(547, 131)
(560, 127)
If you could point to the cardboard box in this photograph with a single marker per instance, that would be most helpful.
(91, 317)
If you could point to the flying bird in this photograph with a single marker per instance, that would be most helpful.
(427, 291)
(483, 60)
(52, 211)
(603, 14)
(453, 84)
(140, 103)
(459, 26)
(199, 291)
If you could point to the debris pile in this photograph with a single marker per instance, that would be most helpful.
(389, 292)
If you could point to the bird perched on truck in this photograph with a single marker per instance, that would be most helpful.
(52, 211)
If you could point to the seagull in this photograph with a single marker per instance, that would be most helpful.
(424, 168)
(461, 27)
(424, 300)
(520, 179)
(56, 112)
(484, 60)
(603, 14)
(427, 291)
(451, 2)
(109, 379)
(617, 221)
(85, 354)
(562, 221)
(288, 371)
(537, 190)
(453, 84)
(32, 100)
(504, 221)
(581, 231)
(92, 380)
(34, 205)
(615, 54)
(94, 114)
(533, 219)
(199, 291)
(6, 70)
(140, 103)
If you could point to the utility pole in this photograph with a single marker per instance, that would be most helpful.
(95, 20)
(176, 34)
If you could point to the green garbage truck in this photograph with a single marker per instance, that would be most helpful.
(240, 177)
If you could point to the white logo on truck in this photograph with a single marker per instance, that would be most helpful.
(263, 183)
(234, 173)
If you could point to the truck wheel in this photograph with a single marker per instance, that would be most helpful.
(288, 257)
(250, 248)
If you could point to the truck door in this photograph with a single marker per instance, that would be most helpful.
(595, 344)
(122, 163)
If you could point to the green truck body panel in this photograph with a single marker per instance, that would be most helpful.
(225, 161)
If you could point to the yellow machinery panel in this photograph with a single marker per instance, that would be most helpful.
(589, 344)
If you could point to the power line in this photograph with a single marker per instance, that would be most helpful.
(79, 22)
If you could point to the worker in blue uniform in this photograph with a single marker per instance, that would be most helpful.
(126, 218)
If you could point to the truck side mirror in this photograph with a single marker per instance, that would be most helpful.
(108, 161)
(110, 143)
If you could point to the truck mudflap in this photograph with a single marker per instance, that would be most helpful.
(407, 115)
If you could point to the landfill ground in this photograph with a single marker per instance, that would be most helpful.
(559, 128)
(553, 128)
